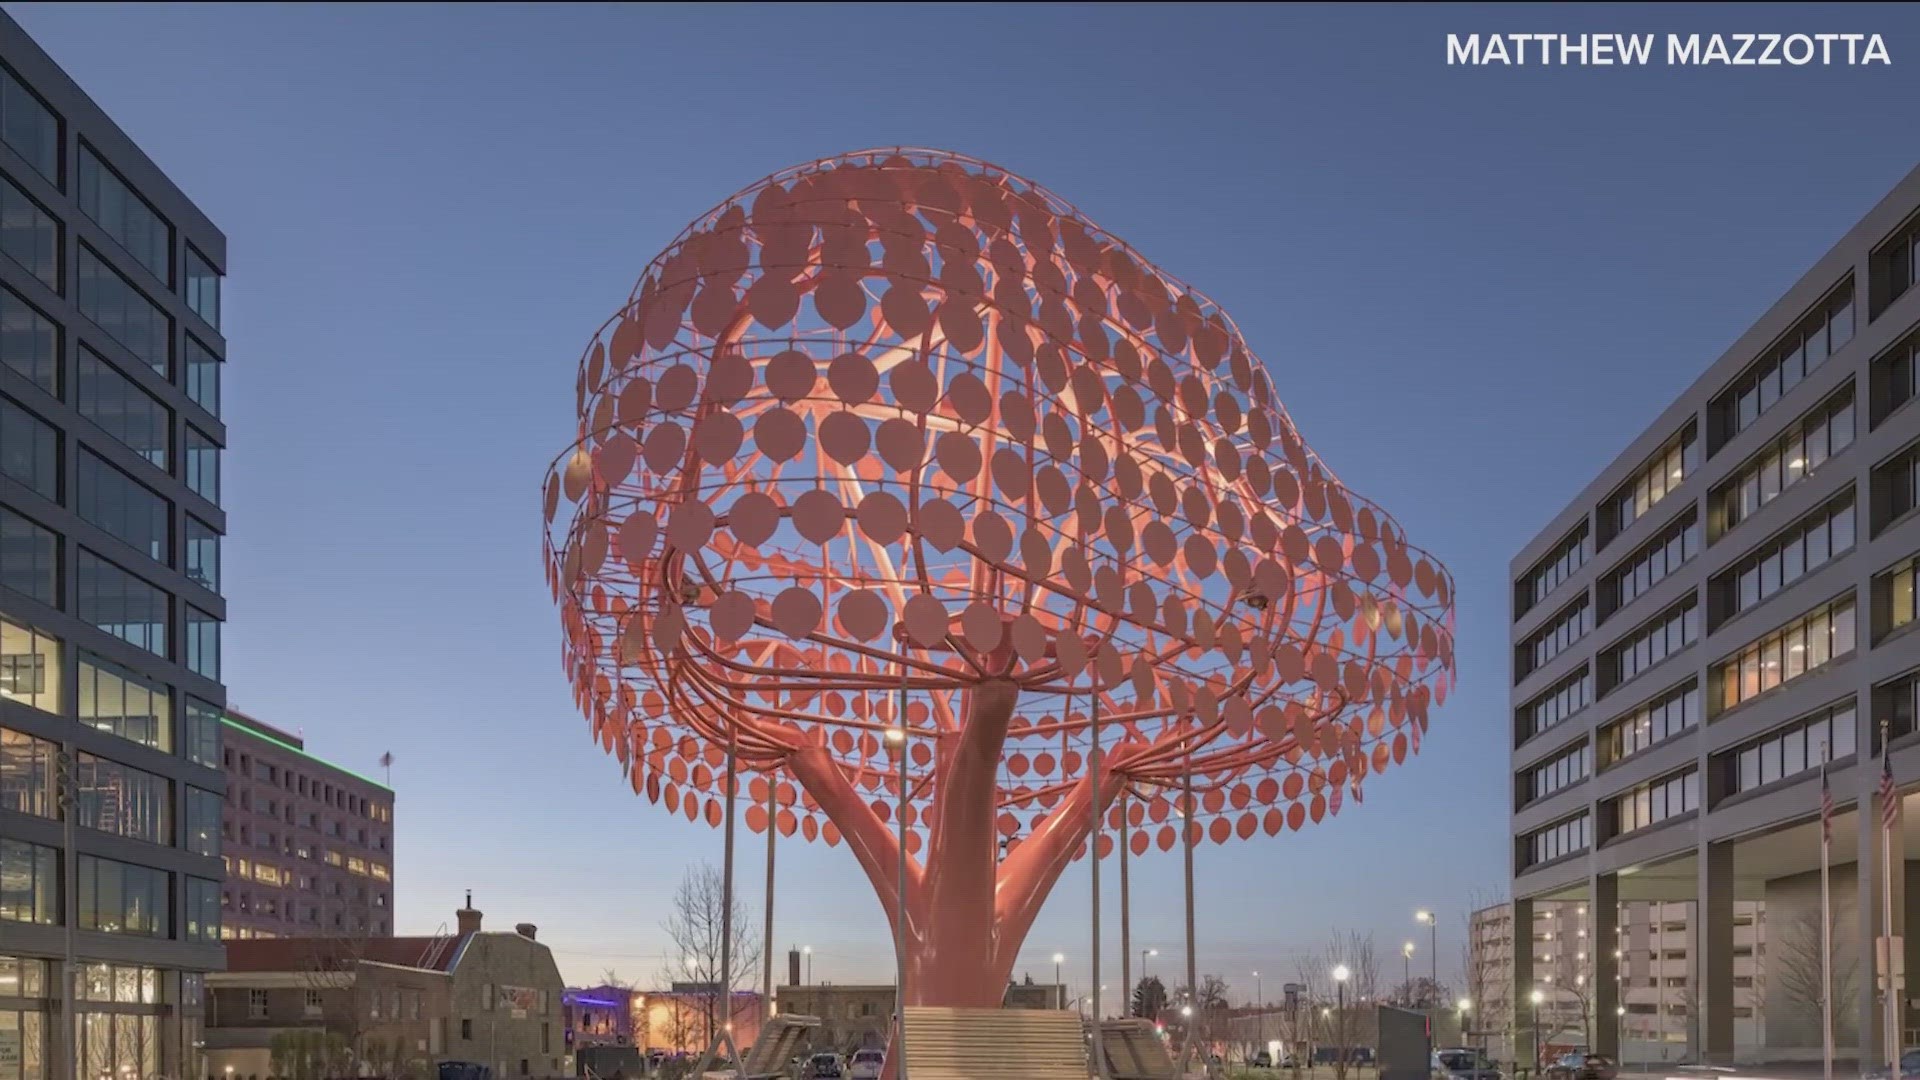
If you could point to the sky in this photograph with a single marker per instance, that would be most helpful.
(1474, 286)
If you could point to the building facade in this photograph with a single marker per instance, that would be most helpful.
(110, 592)
(309, 845)
(397, 1005)
(1724, 613)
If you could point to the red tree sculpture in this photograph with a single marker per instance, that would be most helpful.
(903, 420)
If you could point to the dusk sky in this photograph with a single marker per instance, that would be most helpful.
(1473, 287)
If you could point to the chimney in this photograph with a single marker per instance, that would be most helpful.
(466, 918)
(793, 967)
(525, 930)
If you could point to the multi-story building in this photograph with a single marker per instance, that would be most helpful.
(389, 1006)
(1721, 615)
(110, 604)
(309, 845)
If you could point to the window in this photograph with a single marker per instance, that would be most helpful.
(1650, 643)
(125, 216)
(1655, 722)
(122, 604)
(27, 774)
(1894, 378)
(1569, 625)
(202, 743)
(203, 465)
(124, 312)
(1554, 841)
(203, 554)
(29, 559)
(122, 800)
(1820, 334)
(29, 235)
(123, 409)
(120, 702)
(1824, 431)
(122, 898)
(203, 287)
(29, 666)
(29, 883)
(1894, 703)
(29, 342)
(257, 1004)
(1665, 471)
(203, 376)
(29, 127)
(1650, 565)
(1806, 644)
(1784, 558)
(203, 643)
(1563, 771)
(1895, 266)
(1895, 487)
(1561, 563)
(313, 1003)
(203, 822)
(123, 506)
(466, 1028)
(203, 910)
(1654, 802)
(29, 450)
(1807, 743)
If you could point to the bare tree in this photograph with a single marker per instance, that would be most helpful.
(1487, 961)
(1340, 1013)
(1795, 951)
(611, 977)
(699, 912)
(1568, 985)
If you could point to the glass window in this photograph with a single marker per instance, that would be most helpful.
(203, 553)
(125, 216)
(1799, 352)
(203, 644)
(123, 409)
(118, 701)
(203, 287)
(122, 800)
(29, 558)
(29, 666)
(29, 883)
(29, 450)
(203, 376)
(29, 127)
(29, 235)
(203, 910)
(27, 775)
(122, 898)
(122, 604)
(1822, 431)
(29, 342)
(202, 742)
(203, 465)
(124, 507)
(124, 312)
(1825, 634)
(203, 822)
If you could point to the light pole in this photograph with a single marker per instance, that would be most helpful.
(1340, 974)
(1536, 998)
(1433, 940)
(1406, 970)
(897, 742)
(1260, 993)
(1144, 953)
(1464, 1004)
(1060, 988)
(807, 951)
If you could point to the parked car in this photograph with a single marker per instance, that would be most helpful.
(1263, 1060)
(1463, 1063)
(866, 1065)
(1581, 1065)
(1909, 1068)
(826, 1067)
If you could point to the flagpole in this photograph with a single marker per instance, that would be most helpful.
(1891, 1037)
(1826, 919)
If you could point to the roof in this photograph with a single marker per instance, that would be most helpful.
(317, 953)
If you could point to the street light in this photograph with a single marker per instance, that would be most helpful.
(1340, 976)
(897, 746)
(1464, 1005)
(1061, 987)
(1536, 997)
(1406, 969)
(1433, 939)
(807, 951)
(1260, 992)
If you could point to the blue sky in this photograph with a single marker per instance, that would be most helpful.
(1474, 286)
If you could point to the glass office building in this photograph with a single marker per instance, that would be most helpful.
(110, 595)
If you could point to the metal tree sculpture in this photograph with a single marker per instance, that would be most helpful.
(900, 425)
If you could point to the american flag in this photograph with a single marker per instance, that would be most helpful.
(1889, 796)
(1826, 808)
(386, 761)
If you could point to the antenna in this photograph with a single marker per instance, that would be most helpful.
(469, 899)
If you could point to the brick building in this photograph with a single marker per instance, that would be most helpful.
(403, 1004)
(308, 845)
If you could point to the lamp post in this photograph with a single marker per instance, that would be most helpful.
(807, 951)
(897, 743)
(1536, 998)
(1433, 940)
(1060, 988)
(1406, 970)
(1260, 995)
(1340, 975)
(1464, 1004)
